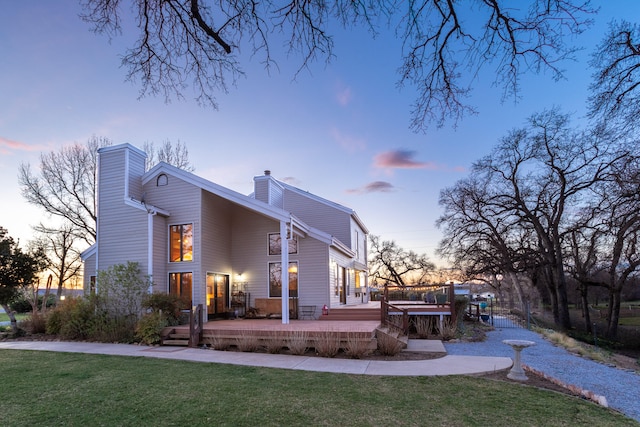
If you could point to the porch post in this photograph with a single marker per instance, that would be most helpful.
(284, 256)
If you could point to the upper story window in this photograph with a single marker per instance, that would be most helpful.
(275, 244)
(181, 243)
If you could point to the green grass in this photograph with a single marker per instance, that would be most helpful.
(20, 316)
(629, 321)
(44, 388)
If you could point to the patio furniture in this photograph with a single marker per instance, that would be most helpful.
(307, 311)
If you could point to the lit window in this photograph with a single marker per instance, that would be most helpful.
(275, 279)
(181, 243)
(180, 285)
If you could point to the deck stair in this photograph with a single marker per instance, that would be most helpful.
(173, 337)
(393, 334)
(354, 314)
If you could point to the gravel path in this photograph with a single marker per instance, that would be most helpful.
(621, 388)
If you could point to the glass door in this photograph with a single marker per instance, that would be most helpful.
(217, 294)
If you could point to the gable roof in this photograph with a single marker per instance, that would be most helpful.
(322, 200)
(249, 203)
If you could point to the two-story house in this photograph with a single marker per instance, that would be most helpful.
(209, 244)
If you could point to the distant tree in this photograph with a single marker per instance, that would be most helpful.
(199, 41)
(61, 246)
(389, 263)
(18, 270)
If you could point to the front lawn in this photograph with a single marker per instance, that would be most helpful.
(43, 388)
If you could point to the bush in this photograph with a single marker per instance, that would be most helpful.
(36, 323)
(298, 343)
(169, 305)
(355, 347)
(72, 319)
(388, 344)
(22, 304)
(327, 344)
(150, 326)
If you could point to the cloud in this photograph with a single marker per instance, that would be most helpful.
(291, 180)
(373, 187)
(349, 143)
(399, 159)
(7, 146)
(344, 95)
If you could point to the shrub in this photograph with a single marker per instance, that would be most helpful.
(36, 323)
(388, 345)
(106, 328)
(218, 343)
(247, 342)
(423, 325)
(72, 319)
(327, 344)
(150, 326)
(122, 290)
(448, 329)
(356, 348)
(298, 342)
(274, 343)
(169, 305)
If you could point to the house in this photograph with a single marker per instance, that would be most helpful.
(222, 249)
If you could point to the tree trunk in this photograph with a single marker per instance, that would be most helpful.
(12, 317)
(585, 306)
(613, 313)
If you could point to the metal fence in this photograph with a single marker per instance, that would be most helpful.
(502, 314)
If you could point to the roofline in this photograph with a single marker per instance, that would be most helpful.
(226, 193)
(109, 148)
(87, 253)
(327, 202)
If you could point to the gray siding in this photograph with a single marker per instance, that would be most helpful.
(122, 229)
(216, 235)
(183, 201)
(319, 215)
(313, 272)
(250, 250)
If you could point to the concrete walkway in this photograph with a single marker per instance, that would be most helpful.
(447, 365)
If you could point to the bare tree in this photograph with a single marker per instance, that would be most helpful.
(616, 94)
(196, 42)
(65, 187)
(389, 263)
(174, 154)
(61, 246)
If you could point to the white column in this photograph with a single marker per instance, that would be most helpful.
(284, 244)
(150, 216)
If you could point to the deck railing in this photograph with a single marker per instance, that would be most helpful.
(195, 325)
(422, 307)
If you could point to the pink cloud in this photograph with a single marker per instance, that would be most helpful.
(373, 187)
(400, 159)
(7, 146)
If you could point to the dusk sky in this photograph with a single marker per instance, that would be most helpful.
(340, 131)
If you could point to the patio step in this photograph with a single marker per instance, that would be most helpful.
(172, 337)
(352, 314)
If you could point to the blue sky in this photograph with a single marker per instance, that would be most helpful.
(340, 131)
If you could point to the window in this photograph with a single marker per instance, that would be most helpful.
(180, 285)
(275, 244)
(275, 279)
(162, 180)
(181, 243)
